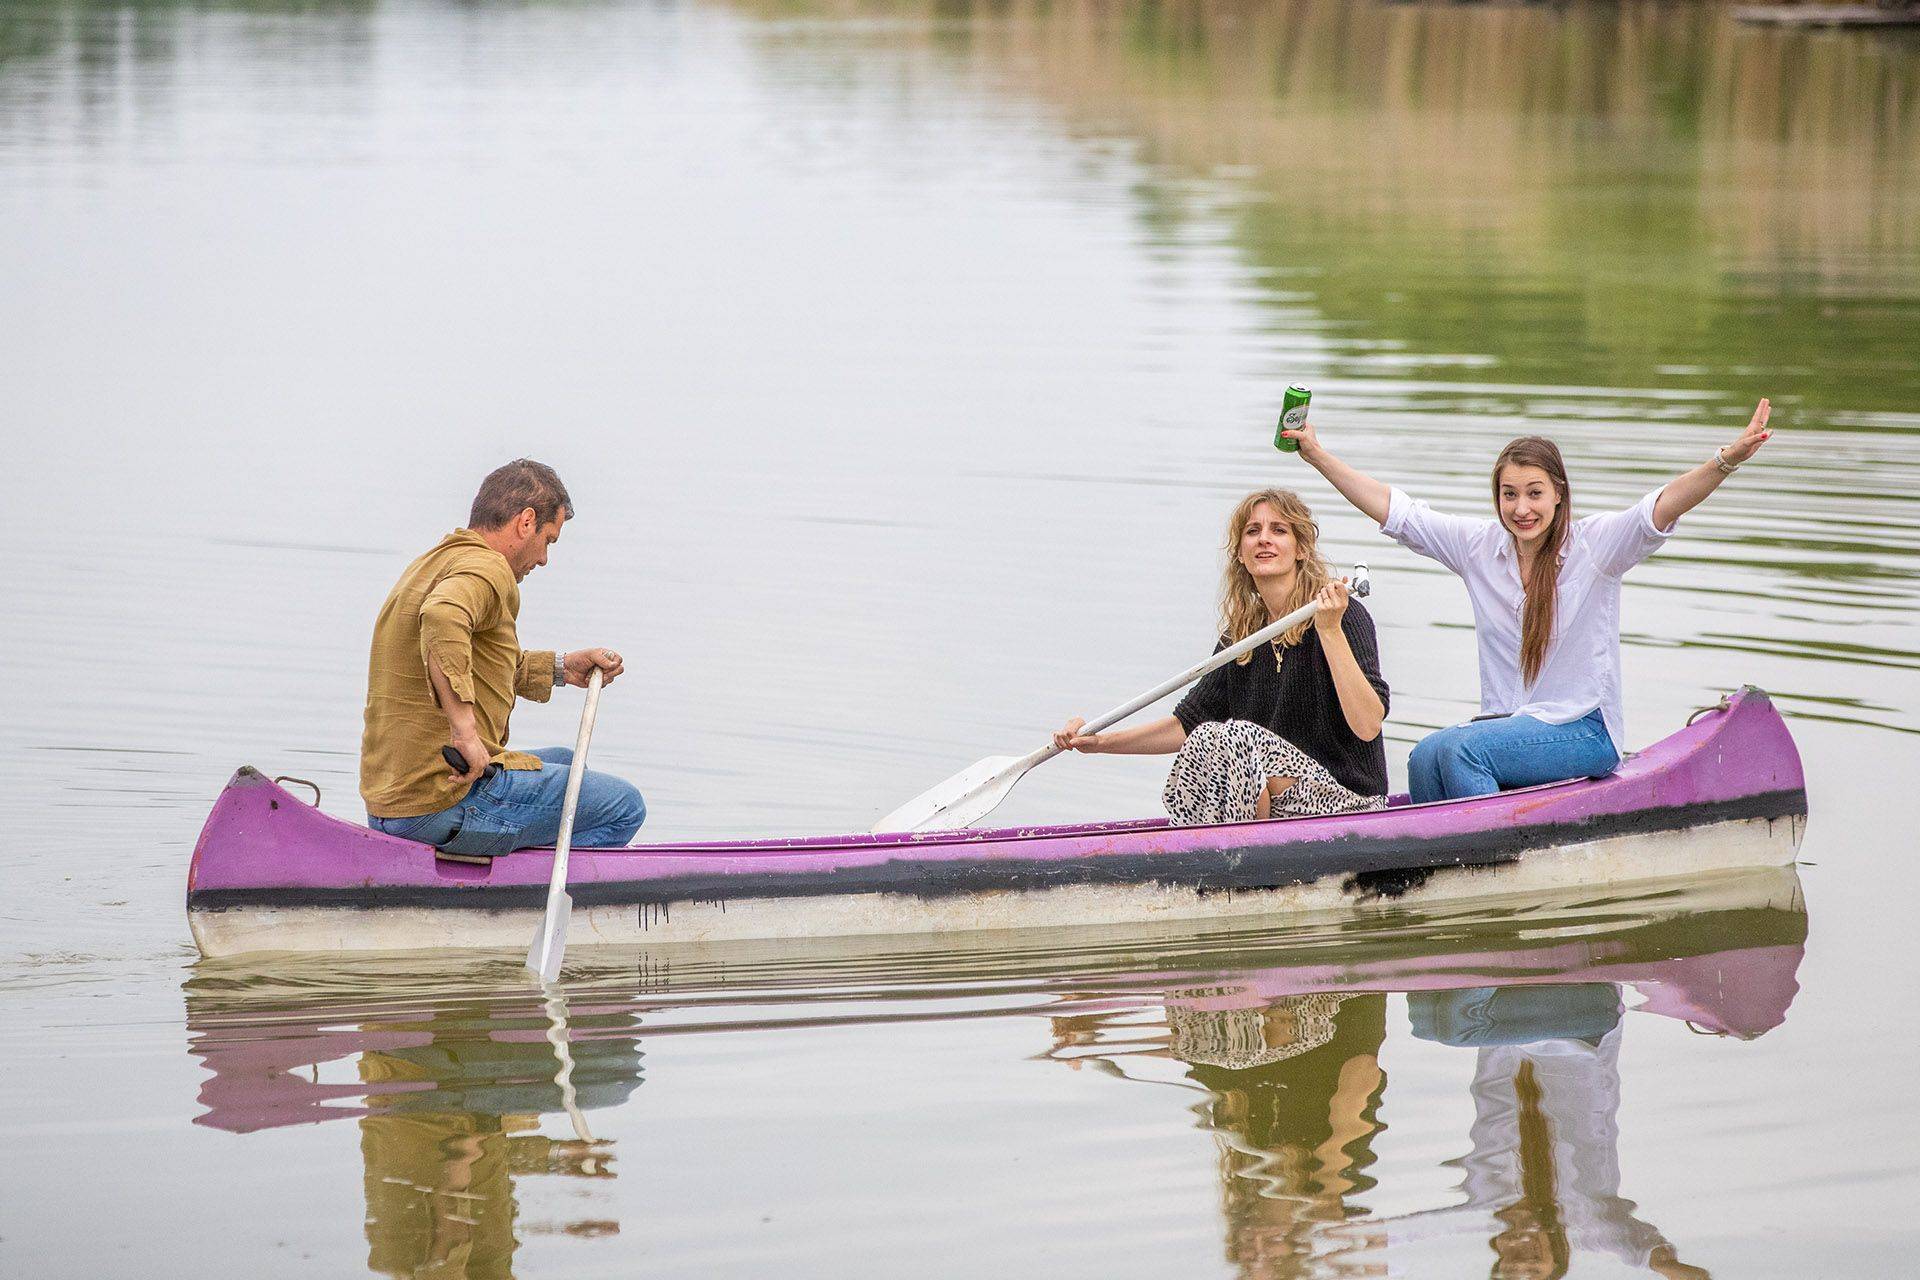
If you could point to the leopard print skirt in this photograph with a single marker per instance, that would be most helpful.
(1219, 775)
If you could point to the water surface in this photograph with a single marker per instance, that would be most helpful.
(903, 361)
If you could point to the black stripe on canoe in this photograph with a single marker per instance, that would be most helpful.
(1374, 866)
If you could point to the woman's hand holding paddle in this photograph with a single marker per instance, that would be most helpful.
(1069, 738)
(1332, 600)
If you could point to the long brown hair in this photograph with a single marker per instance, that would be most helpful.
(1536, 1215)
(1536, 620)
(1242, 611)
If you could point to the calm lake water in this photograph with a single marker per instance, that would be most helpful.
(904, 360)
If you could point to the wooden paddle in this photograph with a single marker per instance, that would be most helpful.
(976, 791)
(550, 944)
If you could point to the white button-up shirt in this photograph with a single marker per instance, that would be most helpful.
(1582, 667)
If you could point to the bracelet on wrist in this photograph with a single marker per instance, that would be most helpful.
(1726, 468)
(559, 669)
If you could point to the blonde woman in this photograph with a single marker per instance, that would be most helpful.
(1288, 730)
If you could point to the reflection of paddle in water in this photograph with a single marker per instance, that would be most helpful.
(560, 1038)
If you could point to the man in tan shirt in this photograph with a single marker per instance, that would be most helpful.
(445, 669)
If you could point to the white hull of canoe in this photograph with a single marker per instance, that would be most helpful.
(1597, 865)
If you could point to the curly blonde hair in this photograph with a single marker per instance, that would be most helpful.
(1242, 611)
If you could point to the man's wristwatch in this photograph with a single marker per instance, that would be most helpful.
(559, 669)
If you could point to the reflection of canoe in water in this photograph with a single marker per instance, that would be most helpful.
(445, 1063)
(298, 1039)
(476, 1054)
(272, 873)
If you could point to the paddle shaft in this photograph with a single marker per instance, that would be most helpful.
(550, 944)
(1187, 677)
(1266, 634)
(1263, 636)
(973, 793)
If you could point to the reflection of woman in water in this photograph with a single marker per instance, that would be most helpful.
(1298, 1112)
(1534, 1242)
(1542, 1182)
(1295, 1085)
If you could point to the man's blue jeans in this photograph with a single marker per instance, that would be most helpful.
(520, 809)
(1484, 756)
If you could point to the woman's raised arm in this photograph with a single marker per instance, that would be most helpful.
(1689, 489)
(1356, 486)
(1360, 703)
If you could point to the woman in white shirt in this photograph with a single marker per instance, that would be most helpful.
(1546, 605)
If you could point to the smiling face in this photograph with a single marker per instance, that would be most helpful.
(1527, 498)
(1268, 550)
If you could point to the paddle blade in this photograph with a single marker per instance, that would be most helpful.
(961, 800)
(550, 944)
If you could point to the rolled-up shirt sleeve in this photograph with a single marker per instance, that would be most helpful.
(458, 605)
(1420, 529)
(1620, 540)
(534, 679)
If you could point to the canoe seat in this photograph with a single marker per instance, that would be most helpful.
(474, 859)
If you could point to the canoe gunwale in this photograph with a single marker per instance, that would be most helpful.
(1391, 862)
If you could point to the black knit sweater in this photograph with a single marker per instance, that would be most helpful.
(1297, 700)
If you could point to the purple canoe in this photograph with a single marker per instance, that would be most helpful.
(272, 872)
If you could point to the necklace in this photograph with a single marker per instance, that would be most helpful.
(1279, 653)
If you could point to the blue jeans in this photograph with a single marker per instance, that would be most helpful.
(520, 809)
(1485, 756)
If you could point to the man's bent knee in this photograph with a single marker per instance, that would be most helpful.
(636, 808)
(626, 810)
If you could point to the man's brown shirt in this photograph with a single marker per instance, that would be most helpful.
(456, 606)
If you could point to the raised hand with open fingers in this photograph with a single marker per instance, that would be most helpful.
(1756, 434)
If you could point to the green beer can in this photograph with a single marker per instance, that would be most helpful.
(1293, 416)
